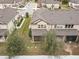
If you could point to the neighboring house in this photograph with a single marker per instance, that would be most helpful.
(49, 3)
(9, 3)
(65, 24)
(7, 18)
(74, 4)
(30, 7)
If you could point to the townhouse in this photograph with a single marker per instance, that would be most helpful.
(74, 4)
(49, 3)
(9, 3)
(7, 18)
(65, 23)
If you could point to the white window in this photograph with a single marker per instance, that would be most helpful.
(69, 26)
(41, 26)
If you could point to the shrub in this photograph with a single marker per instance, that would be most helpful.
(15, 45)
(65, 1)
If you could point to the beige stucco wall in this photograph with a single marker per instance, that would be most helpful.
(48, 26)
(73, 5)
(56, 5)
(49, 5)
(36, 25)
(8, 5)
(3, 26)
(40, 23)
(1, 6)
(2, 39)
(70, 4)
(76, 27)
(52, 26)
(60, 26)
(11, 26)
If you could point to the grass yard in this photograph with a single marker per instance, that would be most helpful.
(2, 48)
(65, 7)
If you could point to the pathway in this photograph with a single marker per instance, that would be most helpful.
(69, 48)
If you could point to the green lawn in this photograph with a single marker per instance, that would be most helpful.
(2, 48)
(65, 7)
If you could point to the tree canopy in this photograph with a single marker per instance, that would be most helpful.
(51, 45)
(15, 45)
(64, 1)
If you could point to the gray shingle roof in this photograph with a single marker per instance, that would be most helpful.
(6, 1)
(57, 16)
(61, 32)
(75, 1)
(7, 14)
(18, 1)
(77, 7)
(9, 1)
(66, 32)
(50, 1)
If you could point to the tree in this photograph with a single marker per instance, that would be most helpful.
(27, 14)
(64, 1)
(51, 45)
(36, 0)
(30, 33)
(15, 45)
(26, 0)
